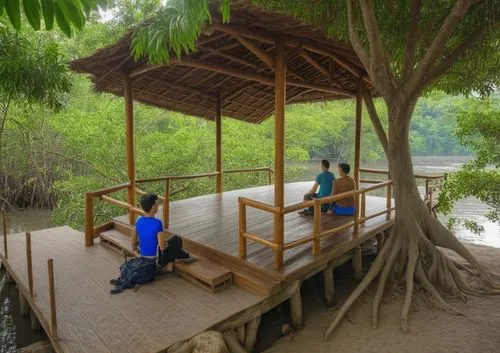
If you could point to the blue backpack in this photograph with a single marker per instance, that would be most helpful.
(136, 271)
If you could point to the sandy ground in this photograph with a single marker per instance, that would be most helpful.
(431, 330)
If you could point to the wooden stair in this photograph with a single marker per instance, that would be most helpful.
(212, 268)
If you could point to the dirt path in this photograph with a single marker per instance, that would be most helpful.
(431, 330)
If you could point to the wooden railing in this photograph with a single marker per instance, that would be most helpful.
(92, 231)
(279, 246)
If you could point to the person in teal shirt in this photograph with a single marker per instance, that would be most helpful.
(325, 182)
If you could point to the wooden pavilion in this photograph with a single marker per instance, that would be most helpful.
(246, 69)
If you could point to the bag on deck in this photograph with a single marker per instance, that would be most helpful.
(134, 272)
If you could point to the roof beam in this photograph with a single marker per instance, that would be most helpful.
(257, 51)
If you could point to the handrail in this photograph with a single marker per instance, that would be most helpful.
(122, 204)
(109, 190)
(259, 205)
(246, 170)
(386, 172)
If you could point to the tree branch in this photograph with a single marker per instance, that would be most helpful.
(448, 61)
(439, 43)
(411, 39)
(354, 38)
(377, 124)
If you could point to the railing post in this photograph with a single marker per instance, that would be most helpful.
(29, 263)
(389, 201)
(89, 219)
(355, 233)
(270, 176)
(426, 188)
(279, 229)
(363, 207)
(166, 205)
(242, 226)
(5, 248)
(52, 294)
(317, 227)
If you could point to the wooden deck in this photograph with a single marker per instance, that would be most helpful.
(212, 220)
(90, 319)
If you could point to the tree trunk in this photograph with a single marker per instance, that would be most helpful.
(411, 252)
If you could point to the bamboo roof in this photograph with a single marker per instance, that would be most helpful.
(235, 59)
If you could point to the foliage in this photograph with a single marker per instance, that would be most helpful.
(68, 14)
(478, 128)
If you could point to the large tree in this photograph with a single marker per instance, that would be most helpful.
(407, 47)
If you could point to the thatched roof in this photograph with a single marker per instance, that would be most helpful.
(232, 58)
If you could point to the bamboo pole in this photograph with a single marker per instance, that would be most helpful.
(317, 227)
(357, 139)
(329, 285)
(52, 293)
(29, 263)
(363, 207)
(355, 234)
(129, 131)
(166, 205)
(89, 219)
(296, 309)
(218, 140)
(357, 263)
(5, 247)
(270, 176)
(279, 147)
(242, 229)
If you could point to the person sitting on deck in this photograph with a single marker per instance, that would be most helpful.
(152, 244)
(343, 207)
(325, 182)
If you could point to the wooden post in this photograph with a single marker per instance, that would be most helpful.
(357, 263)
(35, 324)
(251, 334)
(89, 219)
(279, 148)
(218, 140)
(29, 263)
(380, 242)
(389, 201)
(240, 330)
(357, 139)
(317, 227)
(52, 293)
(270, 176)
(129, 131)
(355, 231)
(296, 309)
(429, 205)
(329, 288)
(242, 229)
(363, 207)
(166, 205)
(23, 304)
(5, 247)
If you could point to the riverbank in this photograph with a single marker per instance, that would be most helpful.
(431, 329)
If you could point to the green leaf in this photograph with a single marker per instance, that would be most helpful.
(48, 13)
(2, 5)
(32, 12)
(61, 20)
(14, 13)
(74, 13)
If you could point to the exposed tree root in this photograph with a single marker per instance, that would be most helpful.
(413, 254)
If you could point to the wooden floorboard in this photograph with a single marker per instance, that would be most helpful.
(90, 319)
(212, 220)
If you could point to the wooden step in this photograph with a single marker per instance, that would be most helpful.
(205, 274)
(116, 240)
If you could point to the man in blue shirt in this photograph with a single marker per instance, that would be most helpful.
(325, 182)
(149, 232)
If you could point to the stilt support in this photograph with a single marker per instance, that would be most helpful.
(380, 241)
(296, 309)
(35, 324)
(357, 263)
(329, 285)
(23, 304)
(251, 334)
(8, 277)
(232, 342)
(241, 333)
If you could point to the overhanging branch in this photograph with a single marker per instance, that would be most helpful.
(354, 37)
(377, 124)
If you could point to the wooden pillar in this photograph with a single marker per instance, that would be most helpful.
(251, 334)
(89, 219)
(380, 242)
(5, 247)
(329, 288)
(29, 263)
(218, 140)
(357, 139)
(52, 295)
(23, 304)
(242, 225)
(129, 132)
(279, 148)
(357, 263)
(166, 205)
(316, 227)
(296, 309)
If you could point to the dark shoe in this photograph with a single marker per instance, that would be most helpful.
(305, 213)
(187, 260)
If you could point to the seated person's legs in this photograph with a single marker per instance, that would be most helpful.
(343, 211)
(173, 252)
(309, 210)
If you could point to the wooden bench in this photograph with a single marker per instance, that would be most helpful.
(205, 274)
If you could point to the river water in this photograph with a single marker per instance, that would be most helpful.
(16, 332)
